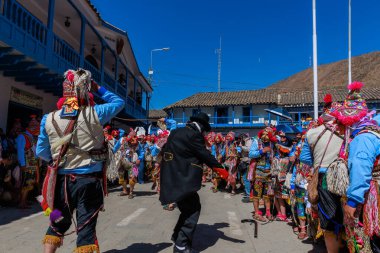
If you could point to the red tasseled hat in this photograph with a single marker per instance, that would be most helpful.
(328, 98)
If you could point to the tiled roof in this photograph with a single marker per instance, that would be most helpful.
(157, 114)
(266, 96)
(210, 99)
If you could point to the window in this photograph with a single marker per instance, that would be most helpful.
(222, 115)
(246, 114)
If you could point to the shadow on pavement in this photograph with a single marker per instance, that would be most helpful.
(206, 236)
(144, 193)
(318, 247)
(10, 214)
(142, 248)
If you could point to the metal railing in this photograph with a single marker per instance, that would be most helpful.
(65, 51)
(245, 121)
(94, 71)
(30, 36)
(24, 20)
(121, 90)
(109, 82)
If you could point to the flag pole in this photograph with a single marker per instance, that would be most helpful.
(315, 62)
(349, 43)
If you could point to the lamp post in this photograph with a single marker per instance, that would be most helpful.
(150, 72)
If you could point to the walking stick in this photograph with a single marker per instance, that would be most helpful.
(254, 222)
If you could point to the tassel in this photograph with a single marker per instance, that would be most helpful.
(92, 248)
(371, 211)
(52, 240)
(61, 141)
(337, 177)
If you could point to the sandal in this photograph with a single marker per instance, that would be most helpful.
(302, 235)
(280, 217)
(296, 230)
(269, 216)
(233, 193)
(214, 190)
(123, 194)
(259, 217)
(131, 196)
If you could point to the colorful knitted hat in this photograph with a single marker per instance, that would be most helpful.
(267, 135)
(328, 102)
(76, 91)
(354, 107)
(219, 138)
(231, 136)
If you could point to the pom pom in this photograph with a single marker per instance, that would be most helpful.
(328, 98)
(70, 76)
(355, 86)
(56, 216)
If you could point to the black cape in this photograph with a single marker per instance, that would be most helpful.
(181, 167)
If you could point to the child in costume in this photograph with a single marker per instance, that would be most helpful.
(280, 168)
(231, 161)
(28, 160)
(262, 152)
(218, 151)
(298, 184)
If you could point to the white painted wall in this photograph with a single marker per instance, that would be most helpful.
(258, 110)
(49, 101)
(208, 110)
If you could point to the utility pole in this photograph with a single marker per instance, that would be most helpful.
(349, 43)
(219, 53)
(315, 61)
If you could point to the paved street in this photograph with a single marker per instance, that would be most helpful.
(141, 225)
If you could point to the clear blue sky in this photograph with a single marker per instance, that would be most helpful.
(263, 41)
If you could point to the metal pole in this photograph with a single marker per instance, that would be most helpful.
(150, 72)
(315, 62)
(349, 43)
(219, 52)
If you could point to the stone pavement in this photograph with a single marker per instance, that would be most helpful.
(141, 225)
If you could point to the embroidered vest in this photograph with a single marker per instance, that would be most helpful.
(87, 136)
(332, 152)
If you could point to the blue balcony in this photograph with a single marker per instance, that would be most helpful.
(31, 53)
(243, 122)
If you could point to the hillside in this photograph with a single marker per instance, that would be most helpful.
(365, 68)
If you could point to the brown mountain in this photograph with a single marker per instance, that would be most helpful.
(365, 68)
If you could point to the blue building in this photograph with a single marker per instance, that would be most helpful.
(250, 109)
(40, 39)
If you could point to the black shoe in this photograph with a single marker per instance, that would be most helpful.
(186, 250)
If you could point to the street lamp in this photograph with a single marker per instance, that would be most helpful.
(150, 72)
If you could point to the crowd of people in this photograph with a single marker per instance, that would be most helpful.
(323, 181)
(21, 172)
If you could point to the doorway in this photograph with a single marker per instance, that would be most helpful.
(23, 112)
(222, 115)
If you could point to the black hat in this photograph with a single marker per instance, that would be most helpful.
(203, 119)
